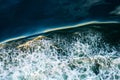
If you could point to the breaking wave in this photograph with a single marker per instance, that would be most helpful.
(73, 56)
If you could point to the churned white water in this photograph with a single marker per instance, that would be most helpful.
(80, 56)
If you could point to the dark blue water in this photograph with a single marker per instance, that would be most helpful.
(23, 17)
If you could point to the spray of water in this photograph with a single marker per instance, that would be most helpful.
(75, 56)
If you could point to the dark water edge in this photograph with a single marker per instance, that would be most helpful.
(110, 32)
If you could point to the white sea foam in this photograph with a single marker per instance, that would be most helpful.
(60, 59)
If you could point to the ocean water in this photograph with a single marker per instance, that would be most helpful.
(78, 55)
(86, 46)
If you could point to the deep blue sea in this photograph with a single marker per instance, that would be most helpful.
(24, 18)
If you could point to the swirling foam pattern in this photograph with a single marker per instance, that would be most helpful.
(77, 55)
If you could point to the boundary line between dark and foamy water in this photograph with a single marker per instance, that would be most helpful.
(60, 28)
